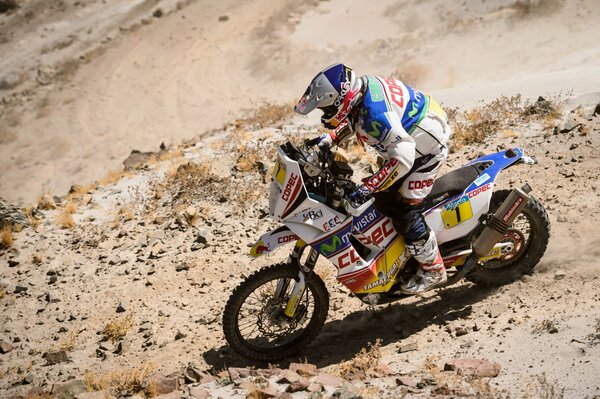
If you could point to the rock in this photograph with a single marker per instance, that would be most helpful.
(552, 329)
(51, 297)
(413, 346)
(182, 267)
(497, 309)
(172, 395)
(11, 215)
(69, 390)
(179, 335)
(316, 388)
(95, 395)
(5, 347)
(298, 386)
(460, 331)
(137, 160)
(53, 358)
(164, 384)
(328, 380)
(199, 393)
(201, 237)
(561, 219)
(407, 381)
(20, 288)
(11, 79)
(224, 18)
(13, 263)
(237, 373)
(192, 375)
(122, 232)
(158, 13)
(473, 367)
(121, 308)
(380, 371)
(304, 369)
(596, 110)
(45, 74)
(347, 392)
(288, 377)
(559, 274)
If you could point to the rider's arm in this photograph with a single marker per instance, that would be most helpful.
(400, 148)
(340, 134)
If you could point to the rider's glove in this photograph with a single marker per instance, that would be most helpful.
(360, 193)
(325, 142)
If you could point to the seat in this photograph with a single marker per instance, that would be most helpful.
(451, 184)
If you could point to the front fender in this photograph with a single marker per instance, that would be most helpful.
(272, 240)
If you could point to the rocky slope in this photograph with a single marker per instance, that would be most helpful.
(119, 287)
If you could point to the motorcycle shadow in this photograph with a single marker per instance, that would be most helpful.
(340, 340)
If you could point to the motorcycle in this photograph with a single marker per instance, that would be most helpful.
(485, 236)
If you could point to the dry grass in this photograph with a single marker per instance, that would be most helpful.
(247, 158)
(7, 238)
(79, 191)
(118, 328)
(172, 154)
(363, 361)
(32, 217)
(267, 115)
(124, 382)
(111, 177)
(541, 388)
(67, 344)
(545, 325)
(64, 219)
(475, 125)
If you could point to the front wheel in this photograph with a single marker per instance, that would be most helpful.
(528, 236)
(254, 322)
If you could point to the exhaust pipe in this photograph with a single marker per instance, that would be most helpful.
(501, 220)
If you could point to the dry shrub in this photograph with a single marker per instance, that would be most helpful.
(67, 344)
(64, 219)
(541, 388)
(267, 114)
(124, 382)
(545, 325)
(123, 215)
(247, 158)
(32, 217)
(112, 176)
(362, 362)
(173, 154)
(7, 237)
(475, 125)
(118, 328)
(78, 191)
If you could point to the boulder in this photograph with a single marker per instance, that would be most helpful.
(68, 390)
(10, 214)
(473, 367)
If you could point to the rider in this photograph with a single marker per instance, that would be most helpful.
(409, 130)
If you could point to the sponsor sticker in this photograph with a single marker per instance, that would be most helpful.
(481, 179)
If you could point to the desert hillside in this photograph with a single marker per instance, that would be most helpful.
(115, 265)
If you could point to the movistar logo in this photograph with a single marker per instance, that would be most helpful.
(328, 249)
(413, 111)
(375, 132)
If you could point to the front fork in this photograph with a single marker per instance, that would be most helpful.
(300, 282)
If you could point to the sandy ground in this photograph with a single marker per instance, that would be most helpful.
(133, 81)
(139, 80)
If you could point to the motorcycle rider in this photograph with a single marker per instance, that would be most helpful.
(409, 130)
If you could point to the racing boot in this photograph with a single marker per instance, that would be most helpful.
(432, 272)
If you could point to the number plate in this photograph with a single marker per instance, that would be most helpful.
(456, 216)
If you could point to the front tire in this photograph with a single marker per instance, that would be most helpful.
(253, 321)
(529, 233)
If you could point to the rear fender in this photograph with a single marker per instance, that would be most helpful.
(272, 240)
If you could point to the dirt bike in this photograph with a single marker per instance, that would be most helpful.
(484, 236)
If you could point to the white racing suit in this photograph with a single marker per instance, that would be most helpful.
(410, 131)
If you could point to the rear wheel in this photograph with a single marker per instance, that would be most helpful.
(254, 322)
(528, 234)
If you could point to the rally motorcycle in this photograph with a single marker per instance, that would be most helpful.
(484, 236)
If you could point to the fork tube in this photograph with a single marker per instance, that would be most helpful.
(297, 293)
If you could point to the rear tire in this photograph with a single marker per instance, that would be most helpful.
(268, 315)
(529, 232)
